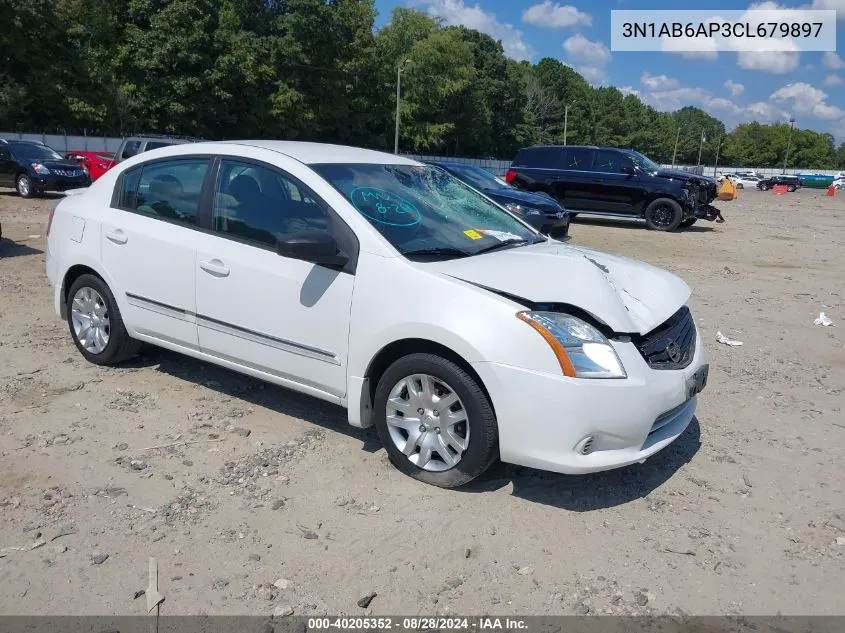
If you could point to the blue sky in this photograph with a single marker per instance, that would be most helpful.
(736, 87)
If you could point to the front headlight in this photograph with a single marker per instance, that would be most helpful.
(521, 210)
(581, 350)
(40, 169)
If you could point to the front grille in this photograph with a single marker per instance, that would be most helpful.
(672, 344)
(68, 173)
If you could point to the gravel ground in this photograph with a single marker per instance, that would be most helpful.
(257, 500)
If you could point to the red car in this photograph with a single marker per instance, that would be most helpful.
(95, 163)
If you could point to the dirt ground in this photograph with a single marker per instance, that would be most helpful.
(251, 485)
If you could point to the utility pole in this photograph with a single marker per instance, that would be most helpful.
(788, 142)
(716, 165)
(675, 151)
(700, 147)
(398, 102)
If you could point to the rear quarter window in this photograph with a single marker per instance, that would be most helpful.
(543, 157)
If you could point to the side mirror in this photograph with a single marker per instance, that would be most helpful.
(627, 169)
(317, 247)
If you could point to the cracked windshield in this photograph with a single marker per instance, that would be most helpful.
(423, 211)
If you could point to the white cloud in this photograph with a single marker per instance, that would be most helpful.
(774, 62)
(457, 12)
(735, 88)
(833, 80)
(764, 112)
(832, 61)
(555, 16)
(836, 5)
(594, 74)
(581, 49)
(807, 99)
(629, 90)
(658, 82)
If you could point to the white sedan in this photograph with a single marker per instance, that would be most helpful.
(390, 288)
(745, 181)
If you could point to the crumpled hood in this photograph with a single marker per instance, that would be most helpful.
(627, 295)
(677, 174)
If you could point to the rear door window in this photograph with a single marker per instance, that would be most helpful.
(578, 159)
(157, 145)
(169, 190)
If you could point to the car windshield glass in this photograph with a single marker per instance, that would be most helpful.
(34, 151)
(423, 209)
(644, 162)
(477, 177)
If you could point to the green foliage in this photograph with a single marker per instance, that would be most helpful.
(317, 70)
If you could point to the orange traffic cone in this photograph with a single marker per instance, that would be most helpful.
(831, 191)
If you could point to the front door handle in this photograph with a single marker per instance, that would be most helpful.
(215, 267)
(117, 236)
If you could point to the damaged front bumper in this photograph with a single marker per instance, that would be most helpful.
(699, 197)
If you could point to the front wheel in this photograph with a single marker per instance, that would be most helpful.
(739, 185)
(663, 214)
(764, 187)
(95, 323)
(24, 186)
(435, 421)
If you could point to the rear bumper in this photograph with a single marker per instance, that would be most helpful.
(545, 419)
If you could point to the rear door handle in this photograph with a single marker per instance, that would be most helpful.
(117, 236)
(215, 267)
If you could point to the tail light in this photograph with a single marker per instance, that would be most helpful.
(510, 176)
(50, 217)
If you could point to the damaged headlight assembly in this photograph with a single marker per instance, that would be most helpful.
(581, 350)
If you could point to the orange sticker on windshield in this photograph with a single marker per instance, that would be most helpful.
(473, 235)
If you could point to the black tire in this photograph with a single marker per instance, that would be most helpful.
(688, 223)
(663, 214)
(790, 188)
(120, 346)
(483, 448)
(25, 186)
(739, 185)
(764, 187)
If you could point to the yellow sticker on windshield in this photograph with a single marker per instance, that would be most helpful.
(473, 235)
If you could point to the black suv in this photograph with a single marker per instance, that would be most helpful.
(32, 168)
(539, 210)
(792, 182)
(618, 182)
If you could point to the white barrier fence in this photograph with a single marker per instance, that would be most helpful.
(68, 142)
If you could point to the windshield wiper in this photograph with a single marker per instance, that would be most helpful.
(509, 243)
(437, 252)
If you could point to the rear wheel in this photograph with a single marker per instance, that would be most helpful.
(95, 323)
(435, 421)
(24, 186)
(663, 214)
(791, 188)
(739, 185)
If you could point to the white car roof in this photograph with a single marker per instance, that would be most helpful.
(315, 153)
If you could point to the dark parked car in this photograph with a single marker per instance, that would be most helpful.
(539, 210)
(618, 182)
(133, 145)
(32, 168)
(792, 182)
